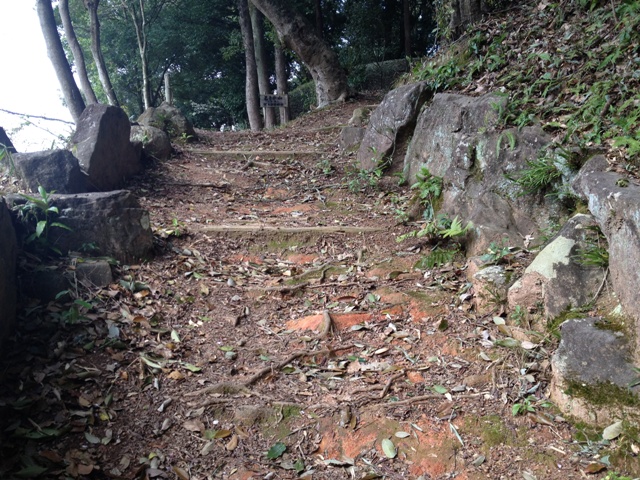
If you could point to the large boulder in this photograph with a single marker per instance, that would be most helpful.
(455, 138)
(394, 117)
(615, 204)
(557, 279)
(8, 255)
(592, 363)
(155, 142)
(5, 141)
(168, 118)
(54, 170)
(101, 144)
(112, 221)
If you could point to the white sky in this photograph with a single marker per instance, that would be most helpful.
(28, 83)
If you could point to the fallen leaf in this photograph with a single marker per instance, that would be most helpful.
(232, 444)
(276, 451)
(402, 434)
(595, 467)
(612, 431)
(181, 473)
(194, 425)
(389, 448)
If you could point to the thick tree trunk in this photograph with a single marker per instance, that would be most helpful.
(70, 90)
(252, 91)
(257, 25)
(96, 51)
(78, 56)
(406, 26)
(465, 12)
(281, 78)
(299, 35)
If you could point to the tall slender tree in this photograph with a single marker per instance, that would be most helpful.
(251, 85)
(257, 25)
(78, 55)
(70, 90)
(281, 78)
(96, 51)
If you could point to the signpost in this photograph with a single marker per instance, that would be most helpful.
(274, 101)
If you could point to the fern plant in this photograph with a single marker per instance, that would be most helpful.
(39, 215)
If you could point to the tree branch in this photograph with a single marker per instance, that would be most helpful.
(49, 119)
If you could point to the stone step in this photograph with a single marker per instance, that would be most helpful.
(252, 154)
(250, 228)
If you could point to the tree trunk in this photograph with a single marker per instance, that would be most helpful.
(281, 79)
(464, 13)
(251, 85)
(78, 56)
(140, 25)
(96, 51)
(257, 25)
(406, 24)
(299, 35)
(70, 90)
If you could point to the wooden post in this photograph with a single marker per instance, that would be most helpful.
(167, 89)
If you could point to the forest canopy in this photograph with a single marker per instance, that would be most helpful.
(199, 43)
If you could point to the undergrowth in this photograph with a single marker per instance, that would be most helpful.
(573, 67)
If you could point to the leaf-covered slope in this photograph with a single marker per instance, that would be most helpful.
(573, 67)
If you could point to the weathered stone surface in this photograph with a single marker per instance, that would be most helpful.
(45, 282)
(555, 278)
(8, 255)
(394, 116)
(615, 203)
(113, 221)
(169, 119)
(490, 285)
(101, 144)
(6, 141)
(590, 356)
(91, 273)
(455, 139)
(351, 137)
(54, 170)
(155, 142)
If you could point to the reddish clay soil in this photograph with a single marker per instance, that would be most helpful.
(280, 332)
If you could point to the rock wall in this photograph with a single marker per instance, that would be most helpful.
(8, 254)
(455, 138)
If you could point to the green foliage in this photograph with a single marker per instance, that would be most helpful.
(518, 315)
(524, 406)
(436, 258)
(440, 227)
(361, 179)
(595, 253)
(302, 99)
(38, 215)
(276, 450)
(6, 157)
(429, 189)
(540, 174)
(498, 253)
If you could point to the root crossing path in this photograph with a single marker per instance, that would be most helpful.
(281, 331)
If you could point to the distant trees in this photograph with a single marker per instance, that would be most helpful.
(128, 45)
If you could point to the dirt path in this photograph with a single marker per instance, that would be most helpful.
(281, 332)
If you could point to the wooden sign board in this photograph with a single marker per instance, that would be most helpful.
(274, 101)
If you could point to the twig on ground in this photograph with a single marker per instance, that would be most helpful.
(422, 398)
(386, 388)
(227, 388)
